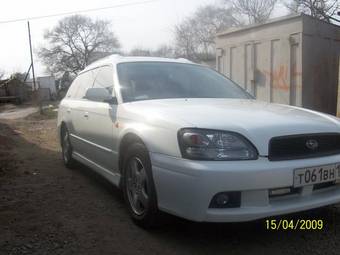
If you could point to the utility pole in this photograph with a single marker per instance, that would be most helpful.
(32, 64)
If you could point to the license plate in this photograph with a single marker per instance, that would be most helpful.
(314, 175)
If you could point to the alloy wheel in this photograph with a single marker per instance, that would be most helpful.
(137, 186)
(66, 147)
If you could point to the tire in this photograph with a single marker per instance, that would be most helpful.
(66, 149)
(138, 187)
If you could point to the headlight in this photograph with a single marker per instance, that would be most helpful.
(204, 144)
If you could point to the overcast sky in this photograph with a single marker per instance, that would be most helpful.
(147, 25)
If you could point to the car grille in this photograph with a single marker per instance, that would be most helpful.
(304, 146)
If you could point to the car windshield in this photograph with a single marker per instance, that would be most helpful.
(164, 80)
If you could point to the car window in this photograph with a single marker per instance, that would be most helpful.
(104, 78)
(84, 81)
(161, 80)
(72, 89)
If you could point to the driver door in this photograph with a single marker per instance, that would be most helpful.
(100, 119)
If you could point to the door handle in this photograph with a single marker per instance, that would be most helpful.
(68, 110)
(86, 114)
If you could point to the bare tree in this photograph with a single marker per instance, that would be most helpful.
(194, 37)
(164, 51)
(186, 40)
(141, 52)
(19, 76)
(257, 11)
(77, 41)
(321, 9)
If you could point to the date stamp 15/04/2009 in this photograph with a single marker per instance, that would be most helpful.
(297, 224)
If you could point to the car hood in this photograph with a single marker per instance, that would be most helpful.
(256, 120)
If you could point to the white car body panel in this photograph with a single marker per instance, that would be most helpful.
(186, 187)
(258, 121)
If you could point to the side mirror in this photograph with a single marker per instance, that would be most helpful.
(112, 100)
(100, 95)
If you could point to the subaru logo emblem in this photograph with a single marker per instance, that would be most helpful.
(312, 144)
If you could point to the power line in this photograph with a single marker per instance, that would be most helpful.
(80, 11)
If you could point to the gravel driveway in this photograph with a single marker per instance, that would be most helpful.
(18, 113)
(48, 209)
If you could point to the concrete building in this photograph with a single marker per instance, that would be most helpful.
(292, 60)
(47, 82)
(46, 85)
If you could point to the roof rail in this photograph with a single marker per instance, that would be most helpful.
(104, 58)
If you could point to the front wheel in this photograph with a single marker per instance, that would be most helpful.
(138, 187)
(66, 149)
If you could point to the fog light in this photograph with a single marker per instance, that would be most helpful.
(226, 200)
(222, 199)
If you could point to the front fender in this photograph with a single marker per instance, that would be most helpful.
(157, 139)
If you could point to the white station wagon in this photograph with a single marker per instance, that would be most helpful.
(181, 138)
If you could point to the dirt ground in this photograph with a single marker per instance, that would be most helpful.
(48, 209)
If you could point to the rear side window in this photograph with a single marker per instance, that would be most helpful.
(72, 89)
(85, 81)
(104, 78)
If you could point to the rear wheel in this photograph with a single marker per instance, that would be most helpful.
(66, 149)
(139, 189)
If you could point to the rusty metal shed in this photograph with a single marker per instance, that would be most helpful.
(291, 60)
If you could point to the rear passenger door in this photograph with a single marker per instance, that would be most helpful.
(99, 122)
(78, 104)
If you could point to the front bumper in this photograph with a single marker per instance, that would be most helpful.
(185, 187)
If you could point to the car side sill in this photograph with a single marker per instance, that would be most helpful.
(114, 178)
